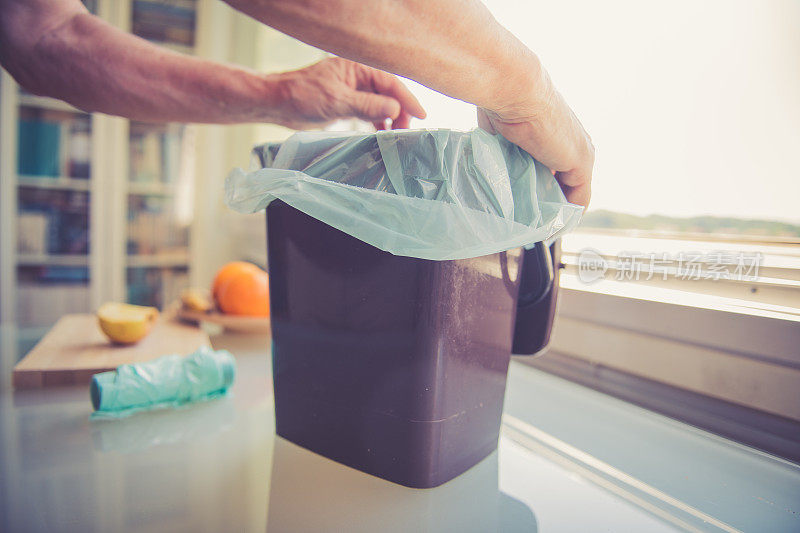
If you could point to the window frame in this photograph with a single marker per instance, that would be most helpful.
(728, 366)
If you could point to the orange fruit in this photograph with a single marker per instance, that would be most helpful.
(229, 271)
(243, 291)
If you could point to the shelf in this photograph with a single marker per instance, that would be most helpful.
(168, 259)
(152, 188)
(44, 102)
(52, 260)
(60, 183)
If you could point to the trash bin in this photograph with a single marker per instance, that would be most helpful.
(391, 363)
(402, 380)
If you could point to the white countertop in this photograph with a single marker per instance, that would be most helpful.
(569, 459)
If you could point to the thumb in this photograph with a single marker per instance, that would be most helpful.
(373, 107)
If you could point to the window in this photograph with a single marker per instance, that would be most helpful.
(681, 290)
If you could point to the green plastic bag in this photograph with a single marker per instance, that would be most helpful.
(169, 381)
(432, 194)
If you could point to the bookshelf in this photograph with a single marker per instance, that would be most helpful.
(122, 263)
(53, 199)
(92, 207)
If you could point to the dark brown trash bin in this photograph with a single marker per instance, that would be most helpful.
(394, 365)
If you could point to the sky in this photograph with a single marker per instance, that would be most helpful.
(693, 106)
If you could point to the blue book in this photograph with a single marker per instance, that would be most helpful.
(38, 148)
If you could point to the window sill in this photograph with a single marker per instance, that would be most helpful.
(688, 477)
(733, 353)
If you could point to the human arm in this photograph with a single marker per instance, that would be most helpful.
(57, 48)
(455, 47)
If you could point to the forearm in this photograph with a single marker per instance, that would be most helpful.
(96, 67)
(453, 46)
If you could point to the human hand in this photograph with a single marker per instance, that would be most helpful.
(337, 88)
(542, 124)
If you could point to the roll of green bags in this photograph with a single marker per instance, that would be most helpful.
(168, 381)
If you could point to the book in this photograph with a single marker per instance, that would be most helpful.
(145, 157)
(79, 148)
(39, 148)
(32, 232)
(165, 21)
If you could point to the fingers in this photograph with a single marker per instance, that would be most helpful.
(380, 82)
(388, 84)
(572, 178)
(577, 183)
(403, 121)
(580, 193)
(372, 107)
(561, 144)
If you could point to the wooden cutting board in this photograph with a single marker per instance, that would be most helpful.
(75, 349)
(240, 324)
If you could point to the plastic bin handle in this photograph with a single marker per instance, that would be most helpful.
(537, 298)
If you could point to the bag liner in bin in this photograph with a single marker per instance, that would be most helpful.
(431, 194)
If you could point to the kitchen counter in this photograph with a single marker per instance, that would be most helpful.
(569, 459)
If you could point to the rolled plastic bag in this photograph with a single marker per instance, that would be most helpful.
(168, 381)
(432, 194)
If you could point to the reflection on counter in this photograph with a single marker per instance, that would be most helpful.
(168, 426)
(201, 469)
(343, 499)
